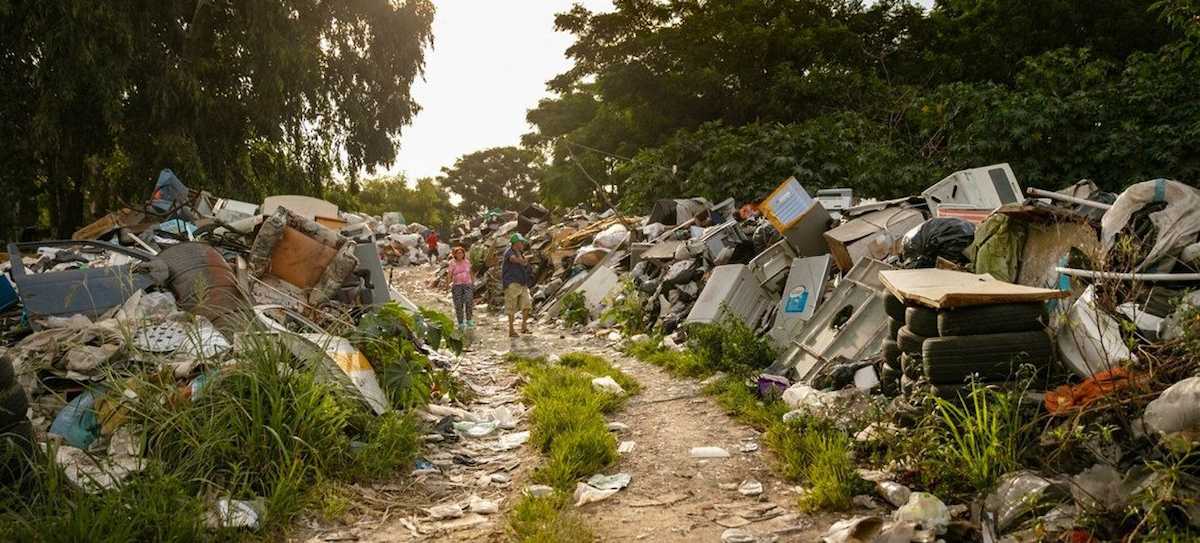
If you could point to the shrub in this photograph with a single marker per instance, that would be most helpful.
(628, 310)
(573, 309)
(729, 346)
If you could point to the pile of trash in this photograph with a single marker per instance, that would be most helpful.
(974, 283)
(181, 291)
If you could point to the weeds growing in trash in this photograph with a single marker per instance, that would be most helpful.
(736, 397)
(568, 426)
(729, 346)
(263, 426)
(986, 437)
(682, 363)
(573, 309)
(627, 312)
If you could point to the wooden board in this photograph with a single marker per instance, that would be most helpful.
(947, 289)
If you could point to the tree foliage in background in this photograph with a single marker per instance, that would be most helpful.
(243, 99)
(673, 98)
(425, 202)
(500, 177)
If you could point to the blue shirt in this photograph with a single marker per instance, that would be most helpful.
(511, 272)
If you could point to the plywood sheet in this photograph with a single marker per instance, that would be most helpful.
(945, 289)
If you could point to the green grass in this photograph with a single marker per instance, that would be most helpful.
(547, 520)
(984, 438)
(742, 402)
(681, 363)
(568, 426)
(820, 456)
(599, 367)
(811, 451)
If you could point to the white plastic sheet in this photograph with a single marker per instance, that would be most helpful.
(1089, 340)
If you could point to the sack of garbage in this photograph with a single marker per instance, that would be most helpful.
(612, 237)
(944, 237)
(589, 256)
(406, 240)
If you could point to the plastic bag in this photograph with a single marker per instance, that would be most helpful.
(612, 237)
(944, 237)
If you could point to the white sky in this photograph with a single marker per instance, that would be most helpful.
(489, 65)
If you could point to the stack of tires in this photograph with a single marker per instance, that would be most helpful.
(892, 371)
(947, 348)
(16, 433)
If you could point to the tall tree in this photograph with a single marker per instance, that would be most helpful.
(500, 177)
(242, 98)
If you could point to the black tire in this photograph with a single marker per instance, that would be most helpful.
(894, 327)
(910, 342)
(7, 373)
(993, 357)
(891, 354)
(892, 305)
(911, 366)
(889, 380)
(13, 405)
(16, 449)
(922, 321)
(991, 319)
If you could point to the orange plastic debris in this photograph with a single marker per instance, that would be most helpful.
(1068, 398)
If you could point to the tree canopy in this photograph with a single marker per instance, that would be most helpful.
(691, 97)
(500, 177)
(240, 98)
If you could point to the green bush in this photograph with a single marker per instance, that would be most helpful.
(628, 310)
(729, 346)
(573, 309)
(682, 363)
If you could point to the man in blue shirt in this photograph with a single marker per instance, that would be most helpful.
(516, 279)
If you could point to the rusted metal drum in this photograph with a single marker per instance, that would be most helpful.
(204, 284)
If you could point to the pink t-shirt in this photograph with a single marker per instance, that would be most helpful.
(460, 270)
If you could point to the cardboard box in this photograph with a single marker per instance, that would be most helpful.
(800, 218)
(876, 234)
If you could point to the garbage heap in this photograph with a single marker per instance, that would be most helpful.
(1082, 303)
(185, 290)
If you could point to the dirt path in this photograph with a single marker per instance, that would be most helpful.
(672, 497)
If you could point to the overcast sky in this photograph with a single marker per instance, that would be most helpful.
(489, 65)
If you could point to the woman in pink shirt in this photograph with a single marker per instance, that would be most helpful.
(462, 286)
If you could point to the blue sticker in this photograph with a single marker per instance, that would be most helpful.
(797, 300)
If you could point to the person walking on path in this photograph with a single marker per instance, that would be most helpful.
(431, 246)
(516, 278)
(462, 286)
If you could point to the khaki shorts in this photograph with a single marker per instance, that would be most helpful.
(516, 298)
